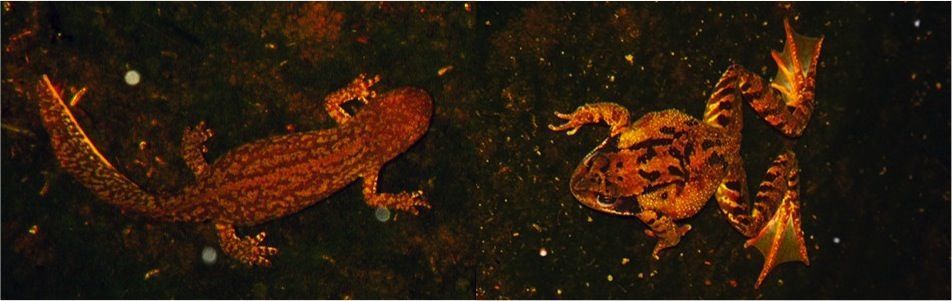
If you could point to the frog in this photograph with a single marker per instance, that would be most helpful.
(664, 167)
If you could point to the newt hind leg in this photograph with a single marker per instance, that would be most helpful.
(359, 88)
(248, 250)
(193, 148)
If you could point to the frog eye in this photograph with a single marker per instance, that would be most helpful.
(605, 201)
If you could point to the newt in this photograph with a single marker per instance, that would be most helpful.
(665, 166)
(262, 180)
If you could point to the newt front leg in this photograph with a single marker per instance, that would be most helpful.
(405, 201)
(248, 250)
(359, 88)
(193, 148)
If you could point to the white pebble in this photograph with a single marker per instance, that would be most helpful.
(209, 255)
(382, 214)
(132, 77)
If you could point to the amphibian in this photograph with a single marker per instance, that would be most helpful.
(666, 165)
(265, 179)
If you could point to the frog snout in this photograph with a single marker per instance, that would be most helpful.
(593, 189)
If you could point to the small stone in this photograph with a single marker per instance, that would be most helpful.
(382, 214)
(209, 255)
(132, 77)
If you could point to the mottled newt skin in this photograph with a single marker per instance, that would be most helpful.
(665, 166)
(262, 180)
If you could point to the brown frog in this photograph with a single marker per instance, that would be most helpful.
(665, 166)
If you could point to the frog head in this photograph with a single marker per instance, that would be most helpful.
(607, 180)
(663, 157)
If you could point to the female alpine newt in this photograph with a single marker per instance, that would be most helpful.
(265, 179)
(665, 166)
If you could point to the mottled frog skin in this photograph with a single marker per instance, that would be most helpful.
(262, 180)
(666, 165)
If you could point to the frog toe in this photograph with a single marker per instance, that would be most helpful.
(781, 240)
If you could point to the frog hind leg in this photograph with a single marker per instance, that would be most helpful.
(193, 148)
(664, 229)
(248, 250)
(731, 196)
(780, 240)
(613, 114)
(359, 88)
(724, 109)
(789, 104)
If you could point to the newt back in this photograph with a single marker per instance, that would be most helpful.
(265, 179)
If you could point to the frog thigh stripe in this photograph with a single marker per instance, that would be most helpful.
(723, 106)
(731, 197)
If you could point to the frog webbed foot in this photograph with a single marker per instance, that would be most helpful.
(664, 229)
(612, 114)
(781, 238)
(789, 104)
(248, 250)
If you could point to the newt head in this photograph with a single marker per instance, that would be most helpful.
(395, 120)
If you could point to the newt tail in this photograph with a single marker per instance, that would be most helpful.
(80, 157)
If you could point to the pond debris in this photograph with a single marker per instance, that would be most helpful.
(151, 273)
(444, 70)
(76, 97)
(17, 130)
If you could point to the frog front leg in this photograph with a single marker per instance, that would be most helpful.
(405, 201)
(611, 113)
(248, 250)
(663, 228)
(359, 88)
